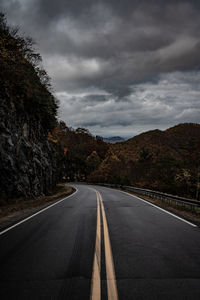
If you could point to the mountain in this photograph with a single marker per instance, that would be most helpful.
(168, 161)
(113, 139)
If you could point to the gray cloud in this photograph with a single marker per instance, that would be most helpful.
(117, 66)
(173, 99)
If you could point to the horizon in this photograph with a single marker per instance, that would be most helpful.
(117, 69)
(126, 137)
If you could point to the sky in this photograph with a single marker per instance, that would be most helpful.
(118, 67)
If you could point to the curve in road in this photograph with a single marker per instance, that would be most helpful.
(100, 243)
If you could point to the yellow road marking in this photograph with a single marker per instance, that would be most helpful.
(96, 275)
(110, 270)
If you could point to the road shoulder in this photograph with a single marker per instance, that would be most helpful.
(16, 211)
(180, 212)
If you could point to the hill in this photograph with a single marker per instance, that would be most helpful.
(29, 163)
(161, 160)
(83, 153)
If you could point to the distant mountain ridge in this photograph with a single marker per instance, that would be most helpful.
(114, 139)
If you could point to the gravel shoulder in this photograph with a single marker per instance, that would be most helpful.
(20, 209)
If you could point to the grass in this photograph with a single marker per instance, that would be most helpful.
(21, 205)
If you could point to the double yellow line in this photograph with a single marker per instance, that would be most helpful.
(110, 270)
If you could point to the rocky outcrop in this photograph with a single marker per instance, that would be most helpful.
(29, 163)
(26, 156)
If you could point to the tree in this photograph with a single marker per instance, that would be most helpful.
(23, 77)
(184, 178)
(144, 155)
(93, 161)
(125, 181)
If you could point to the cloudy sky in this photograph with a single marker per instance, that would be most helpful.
(118, 67)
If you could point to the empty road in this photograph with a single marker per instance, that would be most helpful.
(100, 243)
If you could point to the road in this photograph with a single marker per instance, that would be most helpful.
(100, 243)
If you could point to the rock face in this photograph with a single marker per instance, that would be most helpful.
(29, 163)
(26, 162)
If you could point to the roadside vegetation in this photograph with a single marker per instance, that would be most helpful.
(167, 161)
(30, 165)
(21, 208)
(23, 78)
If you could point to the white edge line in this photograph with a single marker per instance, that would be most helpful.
(167, 212)
(37, 213)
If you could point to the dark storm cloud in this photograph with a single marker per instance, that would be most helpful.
(104, 57)
(171, 99)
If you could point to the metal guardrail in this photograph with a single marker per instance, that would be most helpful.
(171, 200)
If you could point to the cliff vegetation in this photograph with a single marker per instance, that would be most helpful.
(28, 161)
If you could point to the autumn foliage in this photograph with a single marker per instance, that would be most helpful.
(25, 83)
(168, 161)
(83, 153)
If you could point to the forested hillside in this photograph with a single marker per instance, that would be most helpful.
(167, 161)
(83, 153)
(29, 165)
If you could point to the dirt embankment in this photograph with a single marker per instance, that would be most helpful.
(19, 209)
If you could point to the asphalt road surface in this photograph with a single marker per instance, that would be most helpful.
(100, 243)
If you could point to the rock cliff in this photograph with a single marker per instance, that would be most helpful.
(29, 163)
